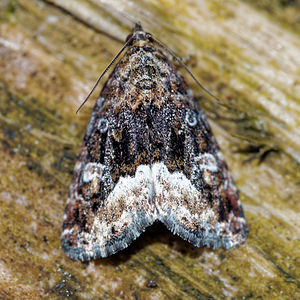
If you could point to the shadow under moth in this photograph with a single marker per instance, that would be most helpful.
(149, 155)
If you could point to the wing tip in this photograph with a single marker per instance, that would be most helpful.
(82, 254)
(108, 247)
(210, 239)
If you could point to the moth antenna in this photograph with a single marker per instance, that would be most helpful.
(186, 68)
(103, 73)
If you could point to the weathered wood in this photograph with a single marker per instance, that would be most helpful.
(51, 52)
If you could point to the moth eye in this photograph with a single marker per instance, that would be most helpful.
(191, 118)
(103, 125)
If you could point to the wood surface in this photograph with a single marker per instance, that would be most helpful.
(248, 55)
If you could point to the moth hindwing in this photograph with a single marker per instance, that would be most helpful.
(149, 154)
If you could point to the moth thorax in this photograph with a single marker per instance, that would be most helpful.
(141, 38)
(144, 76)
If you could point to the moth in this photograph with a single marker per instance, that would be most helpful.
(149, 155)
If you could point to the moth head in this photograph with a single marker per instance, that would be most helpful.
(139, 37)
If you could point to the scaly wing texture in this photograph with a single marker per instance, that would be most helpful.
(149, 154)
(111, 196)
(198, 200)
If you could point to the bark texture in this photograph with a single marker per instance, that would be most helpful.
(51, 53)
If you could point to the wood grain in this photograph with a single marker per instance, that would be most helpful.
(51, 53)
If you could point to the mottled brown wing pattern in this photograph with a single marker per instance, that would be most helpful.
(149, 154)
(106, 206)
(195, 195)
